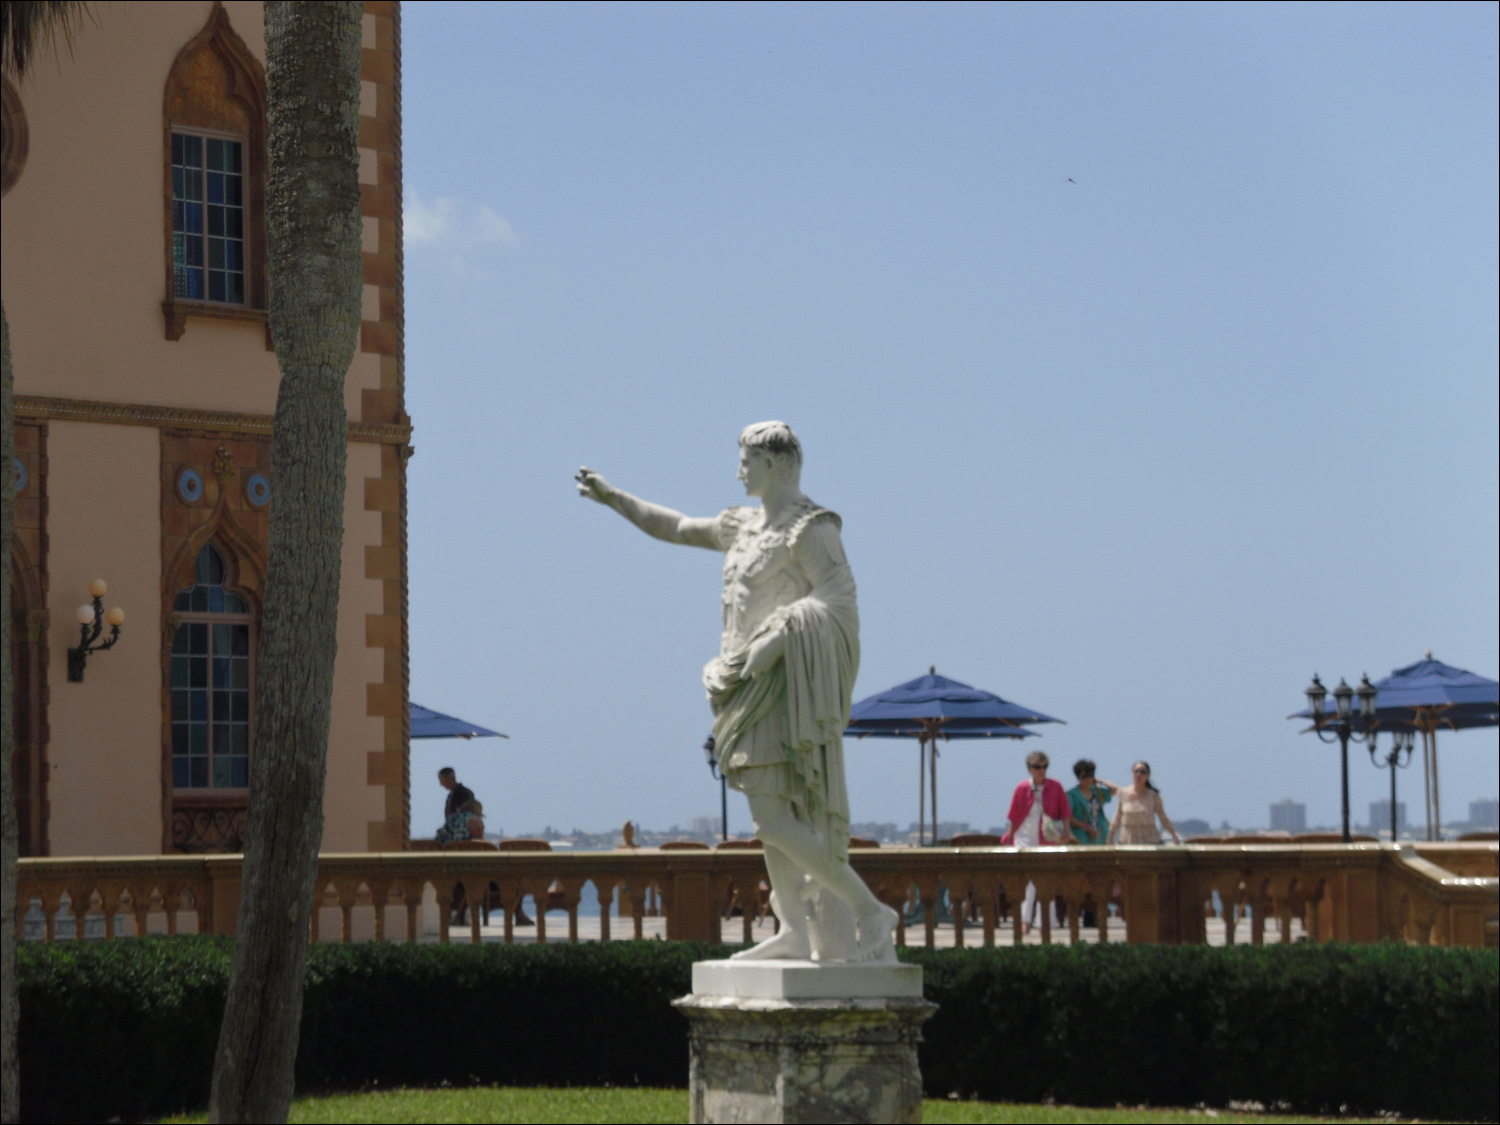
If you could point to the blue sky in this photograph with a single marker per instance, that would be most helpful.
(1148, 352)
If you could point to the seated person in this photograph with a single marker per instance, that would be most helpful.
(460, 811)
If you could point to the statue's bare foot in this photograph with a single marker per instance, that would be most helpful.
(788, 945)
(877, 932)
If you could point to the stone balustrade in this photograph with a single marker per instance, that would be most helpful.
(1444, 894)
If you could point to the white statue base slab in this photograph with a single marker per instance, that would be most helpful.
(799, 1041)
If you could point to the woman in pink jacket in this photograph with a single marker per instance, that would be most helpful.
(1039, 814)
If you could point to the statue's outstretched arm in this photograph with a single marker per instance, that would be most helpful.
(653, 519)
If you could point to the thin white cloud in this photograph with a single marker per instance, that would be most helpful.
(490, 227)
(451, 225)
(426, 223)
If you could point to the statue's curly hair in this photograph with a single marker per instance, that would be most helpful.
(775, 438)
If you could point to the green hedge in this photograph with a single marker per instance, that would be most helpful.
(1313, 1028)
(127, 1028)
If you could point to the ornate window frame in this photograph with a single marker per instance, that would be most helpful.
(217, 88)
(209, 819)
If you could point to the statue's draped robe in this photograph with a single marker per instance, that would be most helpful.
(781, 734)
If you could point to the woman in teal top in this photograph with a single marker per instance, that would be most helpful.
(1088, 798)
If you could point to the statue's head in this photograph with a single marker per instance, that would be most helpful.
(769, 451)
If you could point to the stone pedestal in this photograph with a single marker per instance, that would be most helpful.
(796, 1041)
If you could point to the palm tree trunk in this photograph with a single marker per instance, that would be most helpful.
(10, 1001)
(313, 231)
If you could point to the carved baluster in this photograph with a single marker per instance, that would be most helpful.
(380, 898)
(539, 904)
(957, 907)
(1256, 898)
(1312, 918)
(444, 889)
(475, 907)
(51, 904)
(78, 904)
(928, 889)
(1074, 904)
(639, 894)
(121, 893)
(987, 897)
(346, 917)
(140, 906)
(604, 891)
(508, 909)
(203, 906)
(411, 898)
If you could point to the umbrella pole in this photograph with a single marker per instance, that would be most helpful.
(922, 789)
(1426, 784)
(1437, 811)
(934, 787)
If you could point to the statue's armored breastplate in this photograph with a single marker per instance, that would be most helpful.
(761, 575)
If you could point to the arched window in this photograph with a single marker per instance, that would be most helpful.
(213, 681)
(215, 114)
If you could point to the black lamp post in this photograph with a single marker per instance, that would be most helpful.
(1344, 724)
(713, 768)
(1397, 758)
(91, 620)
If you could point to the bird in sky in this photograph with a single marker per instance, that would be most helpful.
(1071, 180)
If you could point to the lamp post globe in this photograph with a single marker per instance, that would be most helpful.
(1343, 696)
(1316, 694)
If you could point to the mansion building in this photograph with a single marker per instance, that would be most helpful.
(134, 280)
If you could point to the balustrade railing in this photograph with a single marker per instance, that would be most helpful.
(1445, 894)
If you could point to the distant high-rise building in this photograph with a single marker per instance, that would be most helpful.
(1485, 813)
(1380, 815)
(1288, 815)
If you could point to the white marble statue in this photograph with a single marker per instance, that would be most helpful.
(780, 690)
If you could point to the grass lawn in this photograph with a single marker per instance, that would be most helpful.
(529, 1104)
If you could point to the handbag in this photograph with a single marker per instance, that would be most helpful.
(1054, 831)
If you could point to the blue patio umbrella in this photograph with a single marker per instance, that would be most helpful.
(932, 707)
(426, 723)
(1427, 696)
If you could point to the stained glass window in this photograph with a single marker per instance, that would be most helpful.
(208, 219)
(211, 682)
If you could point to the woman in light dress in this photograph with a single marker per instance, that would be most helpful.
(1138, 811)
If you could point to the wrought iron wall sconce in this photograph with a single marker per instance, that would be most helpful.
(91, 621)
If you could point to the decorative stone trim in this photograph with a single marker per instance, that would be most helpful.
(196, 820)
(221, 421)
(386, 698)
(176, 310)
(216, 83)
